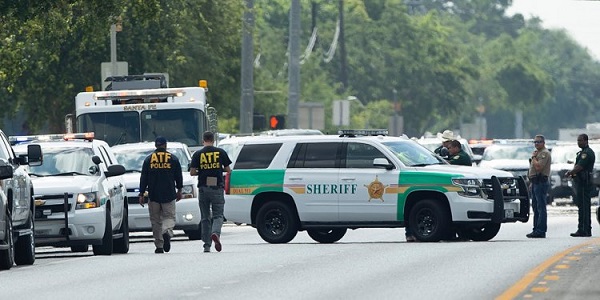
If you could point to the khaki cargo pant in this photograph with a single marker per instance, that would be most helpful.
(162, 218)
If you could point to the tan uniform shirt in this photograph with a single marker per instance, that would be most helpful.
(543, 157)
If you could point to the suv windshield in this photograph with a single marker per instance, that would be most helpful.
(518, 152)
(65, 161)
(132, 159)
(412, 154)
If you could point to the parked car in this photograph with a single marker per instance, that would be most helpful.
(510, 156)
(187, 216)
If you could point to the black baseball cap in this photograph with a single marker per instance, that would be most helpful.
(160, 141)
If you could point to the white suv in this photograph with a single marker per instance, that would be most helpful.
(187, 215)
(17, 241)
(328, 184)
(80, 195)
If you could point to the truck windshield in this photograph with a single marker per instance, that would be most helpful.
(177, 125)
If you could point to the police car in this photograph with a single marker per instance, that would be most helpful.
(187, 215)
(80, 195)
(328, 184)
(17, 240)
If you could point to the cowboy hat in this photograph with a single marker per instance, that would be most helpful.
(448, 135)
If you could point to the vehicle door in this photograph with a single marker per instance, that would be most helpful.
(114, 188)
(21, 194)
(312, 180)
(375, 195)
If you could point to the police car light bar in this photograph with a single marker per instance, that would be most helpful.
(367, 132)
(88, 136)
(128, 94)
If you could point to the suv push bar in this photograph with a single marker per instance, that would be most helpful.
(499, 197)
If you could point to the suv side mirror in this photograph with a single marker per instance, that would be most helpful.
(6, 171)
(114, 170)
(96, 160)
(382, 162)
(34, 155)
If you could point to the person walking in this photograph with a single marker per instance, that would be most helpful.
(161, 175)
(539, 171)
(208, 164)
(457, 156)
(582, 179)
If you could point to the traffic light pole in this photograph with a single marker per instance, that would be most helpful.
(247, 101)
(294, 66)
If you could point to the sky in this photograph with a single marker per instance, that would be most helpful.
(580, 18)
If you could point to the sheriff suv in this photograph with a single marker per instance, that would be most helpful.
(16, 205)
(80, 195)
(364, 179)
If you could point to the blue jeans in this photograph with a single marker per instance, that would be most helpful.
(212, 204)
(538, 203)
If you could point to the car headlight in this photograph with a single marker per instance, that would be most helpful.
(87, 200)
(188, 192)
(470, 187)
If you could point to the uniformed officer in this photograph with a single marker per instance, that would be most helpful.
(447, 137)
(539, 170)
(209, 163)
(457, 156)
(161, 175)
(582, 179)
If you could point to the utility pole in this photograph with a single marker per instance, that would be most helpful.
(247, 101)
(342, 39)
(294, 66)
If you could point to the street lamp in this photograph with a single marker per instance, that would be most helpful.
(354, 99)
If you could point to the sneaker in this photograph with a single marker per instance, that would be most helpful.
(215, 238)
(411, 238)
(535, 235)
(159, 250)
(580, 234)
(167, 241)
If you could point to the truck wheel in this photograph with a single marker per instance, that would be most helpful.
(25, 247)
(194, 235)
(121, 245)
(7, 256)
(107, 240)
(598, 214)
(480, 233)
(276, 223)
(429, 221)
(327, 236)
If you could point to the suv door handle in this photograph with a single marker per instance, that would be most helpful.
(348, 179)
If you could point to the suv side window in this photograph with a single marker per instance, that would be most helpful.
(359, 155)
(315, 155)
(256, 156)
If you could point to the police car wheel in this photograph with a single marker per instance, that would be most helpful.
(106, 248)
(7, 256)
(327, 236)
(482, 233)
(598, 214)
(429, 220)
(276, 222)
(25, 246)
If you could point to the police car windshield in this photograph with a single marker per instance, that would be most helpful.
(412, 154)
(63, 161)
(132, 159)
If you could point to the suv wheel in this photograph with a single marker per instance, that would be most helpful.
(276, 223)
(482, 233)
(7, 256)
(122, 245)
(107, 240)
(25, 246)
(327, 236)
(429, 221)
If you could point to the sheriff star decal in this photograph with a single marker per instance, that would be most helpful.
(376, 189)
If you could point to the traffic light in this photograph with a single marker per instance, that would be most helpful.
(277, 122)
(259, 122)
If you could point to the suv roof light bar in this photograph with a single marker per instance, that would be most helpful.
(362, 132)
(88, 136)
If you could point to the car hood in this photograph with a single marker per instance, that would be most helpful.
(63, 184)
(132, 180)
(467, 171)
(505, 164)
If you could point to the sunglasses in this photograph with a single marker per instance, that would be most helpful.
(538, 142)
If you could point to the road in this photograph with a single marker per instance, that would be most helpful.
(365, 264)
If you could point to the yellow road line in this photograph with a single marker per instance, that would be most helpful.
(522, 284)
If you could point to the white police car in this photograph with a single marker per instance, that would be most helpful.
(187, 215)
(80, 195)
(328, 184)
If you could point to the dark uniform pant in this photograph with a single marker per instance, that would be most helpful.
(583, 200)
(212, 204)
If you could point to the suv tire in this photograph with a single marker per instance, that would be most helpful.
(327, 236)
(107, 240)
(482, 233)
(429, 221)
(25, 246)
(7, 256)
(121, 245)
(276, 222)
